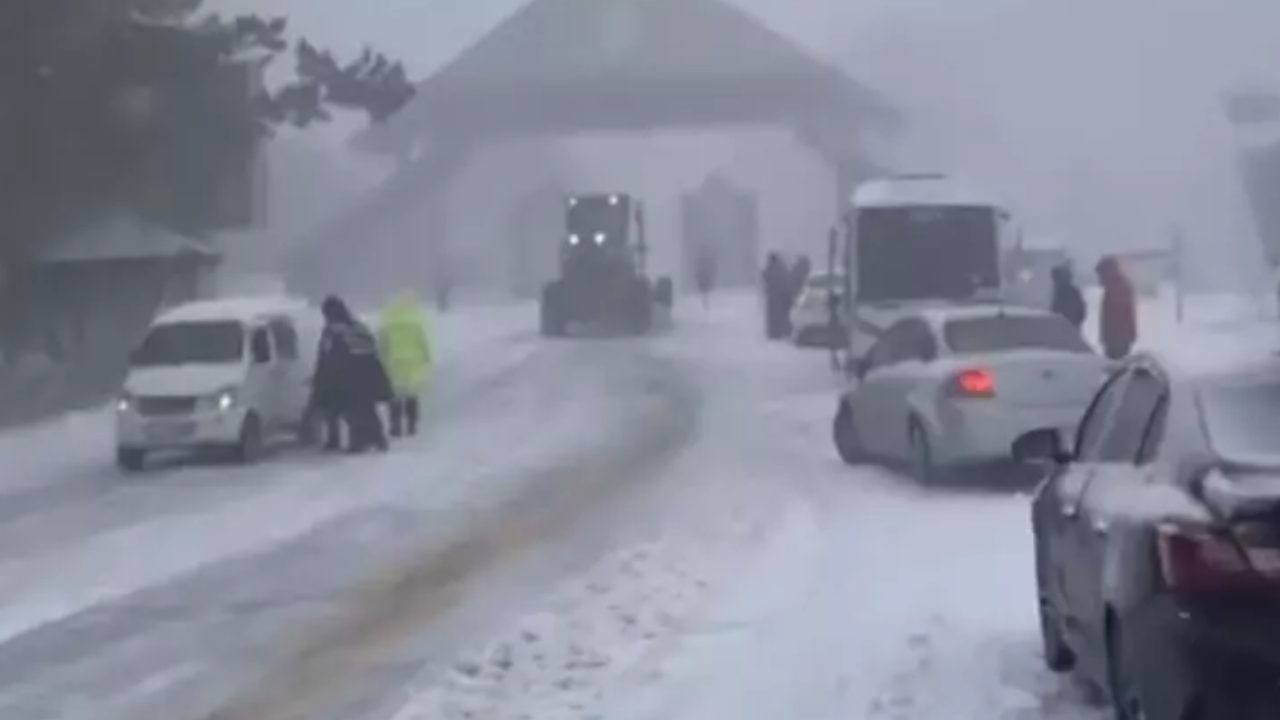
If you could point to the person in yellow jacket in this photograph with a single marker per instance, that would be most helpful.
(405, 348)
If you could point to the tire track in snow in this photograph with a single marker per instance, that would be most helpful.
(599, 639)
(334, 662)
(119, 653)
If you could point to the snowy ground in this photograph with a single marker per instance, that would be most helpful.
(627, 529)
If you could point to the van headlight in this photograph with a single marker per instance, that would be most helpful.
(225, 399)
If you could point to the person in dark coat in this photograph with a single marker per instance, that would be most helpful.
(1067, 301)
(777, 308)
(1118, 319)
(350, 380)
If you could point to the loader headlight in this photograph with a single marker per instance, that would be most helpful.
(124, 403)
(599, 238)
(613, 199)
(574, 239)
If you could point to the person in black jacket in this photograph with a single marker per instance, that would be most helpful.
(776, 281)
(350, 380)
(1067, 301)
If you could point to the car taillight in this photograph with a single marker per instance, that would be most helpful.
(974, 383)
(1204, 559)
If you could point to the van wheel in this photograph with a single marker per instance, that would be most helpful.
(249, 448)
(131, 459)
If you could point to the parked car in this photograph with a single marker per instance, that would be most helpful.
(811, 324)
(950, 387)
(219, 374)
(1157, 542)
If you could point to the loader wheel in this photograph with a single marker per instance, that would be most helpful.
(551, 314)
(641, 309)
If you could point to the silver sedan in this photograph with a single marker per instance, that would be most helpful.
(951, 387)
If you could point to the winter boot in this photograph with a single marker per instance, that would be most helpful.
(397, 417)
(411, 412)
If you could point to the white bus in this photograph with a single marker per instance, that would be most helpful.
(918, 239)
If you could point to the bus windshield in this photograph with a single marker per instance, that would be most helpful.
(926, 252)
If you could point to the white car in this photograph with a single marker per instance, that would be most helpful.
(811, 314)
(228, 374)
(951, 387)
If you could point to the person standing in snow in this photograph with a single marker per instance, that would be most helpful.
(1067, 300)
(405, 349)
(1118, 320)
(776, 281)
(705, 276)
(349, 380)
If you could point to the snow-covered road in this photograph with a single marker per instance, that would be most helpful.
(630, 529)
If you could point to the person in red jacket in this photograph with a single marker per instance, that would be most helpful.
(1118, 319)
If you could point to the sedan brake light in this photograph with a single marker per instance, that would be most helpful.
(973, 383)
(1207, 559)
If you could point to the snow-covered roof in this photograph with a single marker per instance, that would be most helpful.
(588, 45)
(244, 309)
(920, 190)
(123, 238)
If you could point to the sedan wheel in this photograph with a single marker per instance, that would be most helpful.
(1125, 693)
(923, 470)
(845, 435)
(1057, 656)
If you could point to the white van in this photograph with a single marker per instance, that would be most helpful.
(918, 239)
(227, 374)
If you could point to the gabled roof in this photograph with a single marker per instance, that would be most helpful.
(564, 41)
(553, 47)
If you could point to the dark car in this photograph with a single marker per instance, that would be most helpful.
(1157, 539)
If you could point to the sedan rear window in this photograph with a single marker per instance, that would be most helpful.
(1001, 333)
(1240, 417)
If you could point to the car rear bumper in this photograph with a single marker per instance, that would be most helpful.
(1220, 656)
(980, 432)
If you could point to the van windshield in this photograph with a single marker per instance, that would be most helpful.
(926, 253)
(212, 342)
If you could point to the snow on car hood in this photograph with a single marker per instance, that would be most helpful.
(183, 379)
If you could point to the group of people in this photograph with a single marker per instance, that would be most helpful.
(1117, 317)
(358, 371)
(782, 285)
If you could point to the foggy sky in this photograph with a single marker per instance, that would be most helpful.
(1099, 120)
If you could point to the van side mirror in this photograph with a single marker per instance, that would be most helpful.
(1040, 447)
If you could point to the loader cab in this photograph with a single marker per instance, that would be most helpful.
(603, 279)
(602, 226)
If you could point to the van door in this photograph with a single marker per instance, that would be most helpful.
(293, 389)
(263, 379)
